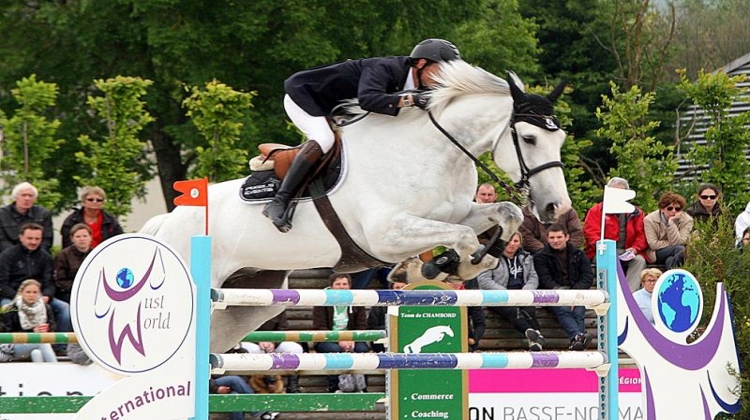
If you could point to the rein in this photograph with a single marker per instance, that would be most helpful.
(519, 192)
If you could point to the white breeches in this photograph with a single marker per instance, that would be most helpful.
(314, 128)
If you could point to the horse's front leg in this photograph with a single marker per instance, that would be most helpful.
(482, 217)
(416, 234)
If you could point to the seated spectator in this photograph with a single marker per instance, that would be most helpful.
(643, 295)
(103, 225)
(230, 384)
(560, 265)
(277, 323)
(377, 317)
(627, 230)
(515, 271)
(706, 207)
(27, 260)
(339, 318)
(742, 223)
(28, 313)
(23, 211)
(69, 260)
(668, 231)
(475, 317)
(534, 232)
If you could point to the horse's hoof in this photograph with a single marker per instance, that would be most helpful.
(430, 270)
(447, 262)
(476, 256)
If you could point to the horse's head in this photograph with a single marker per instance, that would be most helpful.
(537, 140)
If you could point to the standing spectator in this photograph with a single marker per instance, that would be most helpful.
(277, 323)
(515, 271)
(28, 313)
(534, 232)
(339, 318)
(742, 223)
(560, 265)
(103, 225)
(643, 295)
(707, 206)
(625, 229)
(22, 211)
(27, 260)
(69, 260)
(668, 231)
(745, 239)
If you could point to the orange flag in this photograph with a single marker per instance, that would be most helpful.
(194, 192)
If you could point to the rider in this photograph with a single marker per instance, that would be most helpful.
(312, 94)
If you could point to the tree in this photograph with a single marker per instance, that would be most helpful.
(721, 160)
(29, 140)
(646, 163)
(219, 113)
(251, 46)
(118, 162)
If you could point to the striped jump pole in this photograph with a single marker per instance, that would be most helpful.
(239, 362)
(37, 338)
(327, 297)
(315, 336)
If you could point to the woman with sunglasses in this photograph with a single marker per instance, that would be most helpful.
(707, 206)
(103, 225)
(668, 231)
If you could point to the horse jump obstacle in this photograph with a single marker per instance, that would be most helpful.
(594, 299)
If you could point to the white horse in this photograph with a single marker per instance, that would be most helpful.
(405, 190)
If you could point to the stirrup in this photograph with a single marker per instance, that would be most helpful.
(284, 223)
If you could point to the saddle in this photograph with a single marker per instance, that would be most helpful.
(271, 166)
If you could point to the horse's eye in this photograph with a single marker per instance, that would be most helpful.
(530, 139)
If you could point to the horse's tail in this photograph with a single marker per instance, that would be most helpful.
(152, 226)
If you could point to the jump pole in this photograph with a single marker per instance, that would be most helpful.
(200, 268)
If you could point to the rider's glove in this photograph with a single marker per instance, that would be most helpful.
(420, 100)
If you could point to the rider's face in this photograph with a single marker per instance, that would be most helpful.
(429, 69)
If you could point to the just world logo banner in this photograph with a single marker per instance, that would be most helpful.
(132, 304)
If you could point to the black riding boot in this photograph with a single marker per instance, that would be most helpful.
(303, 163)
(292, 384)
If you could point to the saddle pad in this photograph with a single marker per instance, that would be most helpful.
(261, 186)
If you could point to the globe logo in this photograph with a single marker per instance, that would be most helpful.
(125, 278)
(680, 301)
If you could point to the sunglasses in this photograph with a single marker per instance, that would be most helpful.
(671, 208)
(649, 281)
(708, 197)
(94, 200)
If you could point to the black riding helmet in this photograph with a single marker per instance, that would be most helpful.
(436, 50)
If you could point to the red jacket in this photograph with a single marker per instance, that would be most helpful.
(635, 237)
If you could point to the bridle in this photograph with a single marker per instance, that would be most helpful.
(521, 190)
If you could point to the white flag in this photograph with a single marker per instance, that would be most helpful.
(616, 201)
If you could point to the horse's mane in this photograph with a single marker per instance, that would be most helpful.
(459, 78)
(454, 78)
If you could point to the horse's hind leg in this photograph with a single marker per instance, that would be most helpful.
(230, 325)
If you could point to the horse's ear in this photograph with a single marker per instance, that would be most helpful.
(516, 87)
(558, 90)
